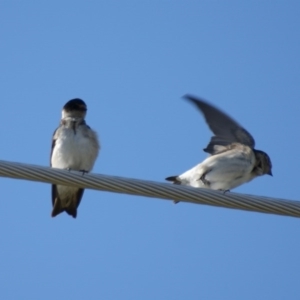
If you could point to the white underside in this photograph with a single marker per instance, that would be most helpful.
(74, 151)
(223, 171)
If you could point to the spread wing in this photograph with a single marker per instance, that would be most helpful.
(226, 130)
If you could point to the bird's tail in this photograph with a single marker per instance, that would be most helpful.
(72, 211)
(58, 208)
(175, 180)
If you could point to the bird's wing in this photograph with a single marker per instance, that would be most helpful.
(54, 138)
(54, 192)
(226, 130)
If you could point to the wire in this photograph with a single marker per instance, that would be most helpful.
(150, 189)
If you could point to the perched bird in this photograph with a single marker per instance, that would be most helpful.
(233, 159)
(75, 146)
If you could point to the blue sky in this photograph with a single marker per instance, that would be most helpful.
(132, 61)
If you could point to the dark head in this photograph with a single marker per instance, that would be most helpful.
(263, 163)
(74, 108)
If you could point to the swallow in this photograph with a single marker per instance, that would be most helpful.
(75, 146)
(233, 160)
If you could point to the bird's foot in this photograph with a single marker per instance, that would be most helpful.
(69, 169)
(83, 172)
(224, 191)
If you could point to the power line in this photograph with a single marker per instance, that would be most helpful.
(150, 189)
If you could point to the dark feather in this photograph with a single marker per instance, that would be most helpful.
(71, 209)
(174, 179)
(56, 203)
(226, 130)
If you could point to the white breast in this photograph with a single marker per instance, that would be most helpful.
(73, 150)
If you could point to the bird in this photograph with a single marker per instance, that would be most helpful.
(75, 146)
(233, 159)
